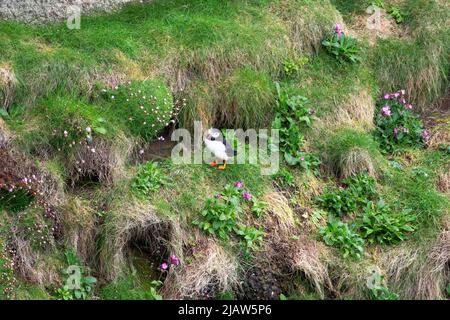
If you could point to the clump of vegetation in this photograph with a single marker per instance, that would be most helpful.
(222, 215)
(340, 235)
(78, 285)
(144, 107)
(292, 66)
(149, 179)
(125, 288)
(397, 14)
(380, 224)
(7, 277)
(356, 193)
(344, 48)
(291, 119)
(397, 126)
(72, 124)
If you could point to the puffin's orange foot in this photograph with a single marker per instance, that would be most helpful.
(222, 167)
(213, 164)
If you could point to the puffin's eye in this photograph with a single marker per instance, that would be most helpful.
(213, 139)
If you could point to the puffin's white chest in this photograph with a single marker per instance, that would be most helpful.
(217, 148)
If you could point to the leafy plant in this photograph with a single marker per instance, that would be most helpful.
(379, 224)
(149, 179)
(251, 236)
(292, 66)
(284, 178)
(382, 292)
(291, 118)
(397, 13)
(397, 126)
(343, 48)
(221, 214)
(378, 3)
(358, 190)
(258, 207)
(340, 235)
(78, 286)
(362, 186)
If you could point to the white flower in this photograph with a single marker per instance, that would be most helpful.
(88, 129)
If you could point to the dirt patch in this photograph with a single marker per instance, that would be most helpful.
(375, 25)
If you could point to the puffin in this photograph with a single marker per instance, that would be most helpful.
(222, 150)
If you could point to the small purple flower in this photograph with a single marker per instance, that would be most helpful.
(174, 260)
(164, 266)
(396, 131)
(402, 101)
(238, 184)
(409, 106)
(302, 158)
(426, 135)
(386, 111)
(246, 196)
(387, 96)
(396, 95)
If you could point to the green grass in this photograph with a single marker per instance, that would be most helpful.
(417, 63)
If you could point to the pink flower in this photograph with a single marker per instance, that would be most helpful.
(302, 158)
(386, 111)
(174, 260)
(164, 266)
(387, 96)
(238, 184)
(426, 135)
(338, 30)
(396, 94)
(409, 106)
(246, 196)
(396, 131)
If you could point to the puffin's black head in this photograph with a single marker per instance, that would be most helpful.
(214, 134)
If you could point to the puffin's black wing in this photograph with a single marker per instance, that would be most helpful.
(229, 149)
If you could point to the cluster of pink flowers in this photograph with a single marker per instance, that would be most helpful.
(238, 184)
(386, 111)
(173, 260)
(246, 196)
(400, 95)
(338, 30)
(426, 135)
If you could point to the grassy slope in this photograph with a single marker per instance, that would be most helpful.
(210, 50)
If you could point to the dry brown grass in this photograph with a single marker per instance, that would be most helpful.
(443, 181)
(387, 28)
(355, 161)
(211, 270)
(79, 228)
(307, 24)
(106, 164)
(420, 273)
(440, 135)
(8, 83)
(286, 252)
(357, 112)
